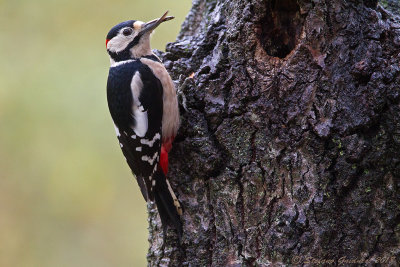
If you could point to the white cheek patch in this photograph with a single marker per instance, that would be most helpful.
(118, 43)
(138, 111)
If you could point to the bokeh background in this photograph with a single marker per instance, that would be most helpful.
(67, 197)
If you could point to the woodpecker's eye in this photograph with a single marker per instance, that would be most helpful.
(127, 31)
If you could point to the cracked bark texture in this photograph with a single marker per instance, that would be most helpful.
(290, 144)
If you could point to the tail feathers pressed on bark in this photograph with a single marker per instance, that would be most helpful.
(167, 204)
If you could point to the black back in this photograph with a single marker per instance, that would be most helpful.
(120, 102)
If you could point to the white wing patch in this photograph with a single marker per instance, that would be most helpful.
(155, 168)
(150, 160)
(117, 130)
(141, 126)
(138, 111)
(150, 143)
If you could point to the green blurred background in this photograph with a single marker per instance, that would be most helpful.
(67, 197)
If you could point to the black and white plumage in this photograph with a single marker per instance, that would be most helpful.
(134, 95)
(143, 105)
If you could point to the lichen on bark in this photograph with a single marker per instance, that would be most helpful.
(290, 141)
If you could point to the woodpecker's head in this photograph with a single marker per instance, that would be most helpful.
(131, 39)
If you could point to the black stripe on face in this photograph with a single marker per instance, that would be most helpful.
(124, 54)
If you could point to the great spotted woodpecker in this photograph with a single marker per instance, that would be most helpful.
(143, 105)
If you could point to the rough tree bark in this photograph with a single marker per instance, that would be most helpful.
(290, 145)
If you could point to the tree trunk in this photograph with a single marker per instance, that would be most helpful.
(289, 149)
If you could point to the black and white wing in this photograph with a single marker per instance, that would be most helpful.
(134, 96)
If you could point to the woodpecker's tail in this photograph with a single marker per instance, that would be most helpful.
(167, 203)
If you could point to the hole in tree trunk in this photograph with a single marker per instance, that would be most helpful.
(281, 27)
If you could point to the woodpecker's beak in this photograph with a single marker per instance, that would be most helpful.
(151, 25)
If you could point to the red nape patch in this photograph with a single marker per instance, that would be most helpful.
(107, 41)
(164, 160)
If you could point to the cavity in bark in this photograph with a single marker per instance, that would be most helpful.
(281, 27)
